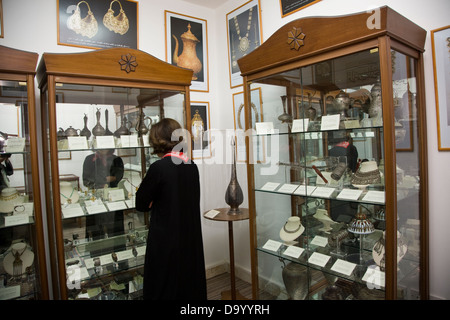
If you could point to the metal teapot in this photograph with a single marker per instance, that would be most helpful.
(72, 132)
(188, 58)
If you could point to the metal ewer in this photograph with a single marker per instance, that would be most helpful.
(234, 196)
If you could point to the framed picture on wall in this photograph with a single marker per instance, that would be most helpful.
(440, 41)
(200, 127)
(290, 6)
(98, 24)
(243, 36)
(187, 47)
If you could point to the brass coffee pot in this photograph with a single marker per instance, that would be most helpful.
(188, 58)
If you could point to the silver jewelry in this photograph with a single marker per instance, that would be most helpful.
(293, 231)
(244, 43)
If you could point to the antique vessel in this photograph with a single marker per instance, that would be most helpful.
(234, 196)
(98, 130)
(85, 131)
(295, 278)
(188, 58)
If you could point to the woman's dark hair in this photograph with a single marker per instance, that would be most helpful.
(160, 136)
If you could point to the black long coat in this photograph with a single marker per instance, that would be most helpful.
(174, 261)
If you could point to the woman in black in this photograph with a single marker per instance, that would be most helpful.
(174, 260)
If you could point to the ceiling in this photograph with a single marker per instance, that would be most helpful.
(213, 4)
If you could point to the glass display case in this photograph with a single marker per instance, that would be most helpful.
(338, 170)
(98, 108)
(23, 273)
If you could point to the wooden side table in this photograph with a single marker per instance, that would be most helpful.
(224, 216)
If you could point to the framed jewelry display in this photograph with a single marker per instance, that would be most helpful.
(244, 35)
(290, 6)
(98, 24)
(187, 47)
(440, 40)
(200, 126)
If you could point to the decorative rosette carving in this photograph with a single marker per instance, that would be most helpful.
(128, 63)
(295, 38)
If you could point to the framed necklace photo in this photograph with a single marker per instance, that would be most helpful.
(244, 35)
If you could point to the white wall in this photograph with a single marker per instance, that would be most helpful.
(31, 25)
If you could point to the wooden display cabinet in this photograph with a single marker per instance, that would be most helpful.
(23, 271)
(338, 201)
(97, 109)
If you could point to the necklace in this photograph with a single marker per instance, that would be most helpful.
(17, 263)
(69, 198)
(244, 43)
(10, 197)
(293, 231)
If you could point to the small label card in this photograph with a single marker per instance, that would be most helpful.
(323, 192)
(125, 255)
(141, 250)
(319, 259)
(15, 144)
(304, 190)
(330, 122)
(77, 143)
(319, 241)
(9, 292)
(72, 210)
(89, 263)
(264, 127)
(96, 208)
(117, 205)
(116, 195)
(344, 267)
(105, 142)
(288, 188)
(131, 203)
(349, 194)
(351, 124)
(212, 213)
(374, 196)
(272, 245)
(129, 140)
(270, 186)
(29, 208)
(300, 125)
(374, 277)
(106, 259)
(17, 219)
(293, 251)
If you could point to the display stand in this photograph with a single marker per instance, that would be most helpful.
(224, 216)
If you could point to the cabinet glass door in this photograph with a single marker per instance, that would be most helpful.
(19, 253)
(103, 154)
(319, 180)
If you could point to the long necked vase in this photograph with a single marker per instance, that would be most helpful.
(85, 131)
(234, 196)
(107, 131)
(98, 130)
